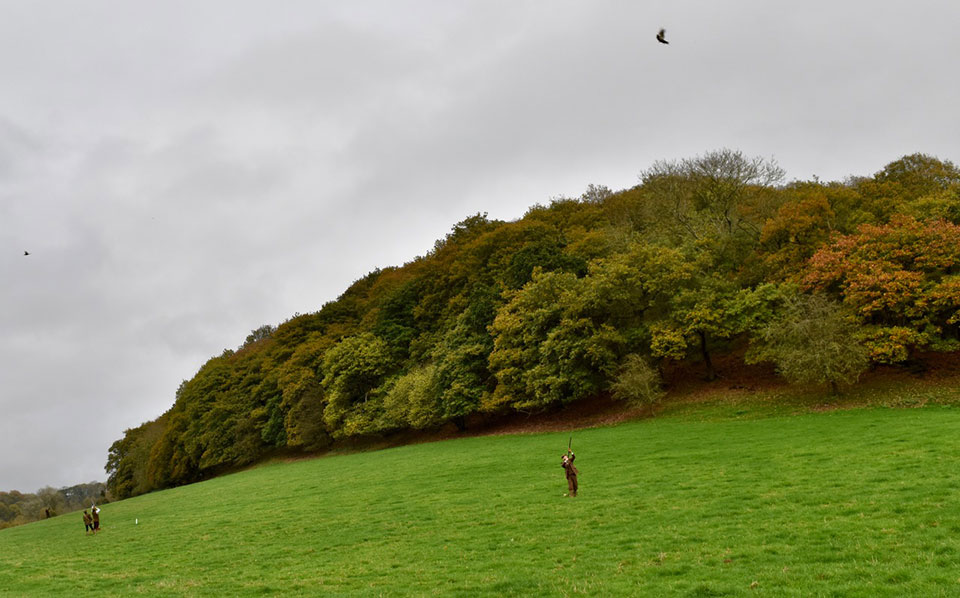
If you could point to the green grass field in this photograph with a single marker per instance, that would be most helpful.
(708, 502)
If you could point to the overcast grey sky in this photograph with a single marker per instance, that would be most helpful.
(183, 172)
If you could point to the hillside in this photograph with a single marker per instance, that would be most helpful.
(711, 264)
(734, 494)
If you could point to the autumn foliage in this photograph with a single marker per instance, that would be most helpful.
(583, 297)
(901, 278)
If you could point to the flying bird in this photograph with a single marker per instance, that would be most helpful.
(660, 37)
(26, 253)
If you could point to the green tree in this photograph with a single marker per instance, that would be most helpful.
(51, 500)
(700, 313)
(261, 333)
(269, 410)
(813, 342)
(722, 194)
(6, 514)
(413, 399)
(637, 382)
(519, 330)
(170, 464)
(462, 375)
(129, 458)
(560, 338)
(939, 205)
(303, 405)
(395, 316)
(920, 174)
(353, 370)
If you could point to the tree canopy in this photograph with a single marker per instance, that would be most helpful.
(585, 297)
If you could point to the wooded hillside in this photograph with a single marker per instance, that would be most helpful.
(581, 297)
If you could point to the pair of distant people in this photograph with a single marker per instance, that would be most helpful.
(91, 520)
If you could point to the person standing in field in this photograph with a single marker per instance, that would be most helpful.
(87, 522)
(571, 471)
(96, 518)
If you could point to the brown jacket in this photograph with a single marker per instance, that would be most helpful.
(568, 465)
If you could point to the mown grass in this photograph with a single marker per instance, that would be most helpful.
(712, 500)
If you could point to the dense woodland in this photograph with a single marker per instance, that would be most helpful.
(707, 256)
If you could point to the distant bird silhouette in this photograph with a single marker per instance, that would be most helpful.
(26, 253)
(660, 37)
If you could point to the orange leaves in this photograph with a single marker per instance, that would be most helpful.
(879, 291)
(903, 276)
(945, 298)
(892, 344)
(796, 221)
(893, 253)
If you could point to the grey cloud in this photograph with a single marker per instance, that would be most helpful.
(184, 172)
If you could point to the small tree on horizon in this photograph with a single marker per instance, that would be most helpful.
(264, 332)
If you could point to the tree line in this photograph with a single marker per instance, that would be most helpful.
(706, 256)
(17, 508)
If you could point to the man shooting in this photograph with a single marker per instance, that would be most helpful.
(571, 471)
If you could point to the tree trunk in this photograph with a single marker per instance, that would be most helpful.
(711, 373)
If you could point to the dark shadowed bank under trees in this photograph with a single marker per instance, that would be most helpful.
(582, 297)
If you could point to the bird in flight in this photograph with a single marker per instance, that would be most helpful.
(26, 253)
(660, 37)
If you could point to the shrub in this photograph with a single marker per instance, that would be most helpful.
(637, 382)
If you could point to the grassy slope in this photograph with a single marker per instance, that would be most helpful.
(741, 497)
